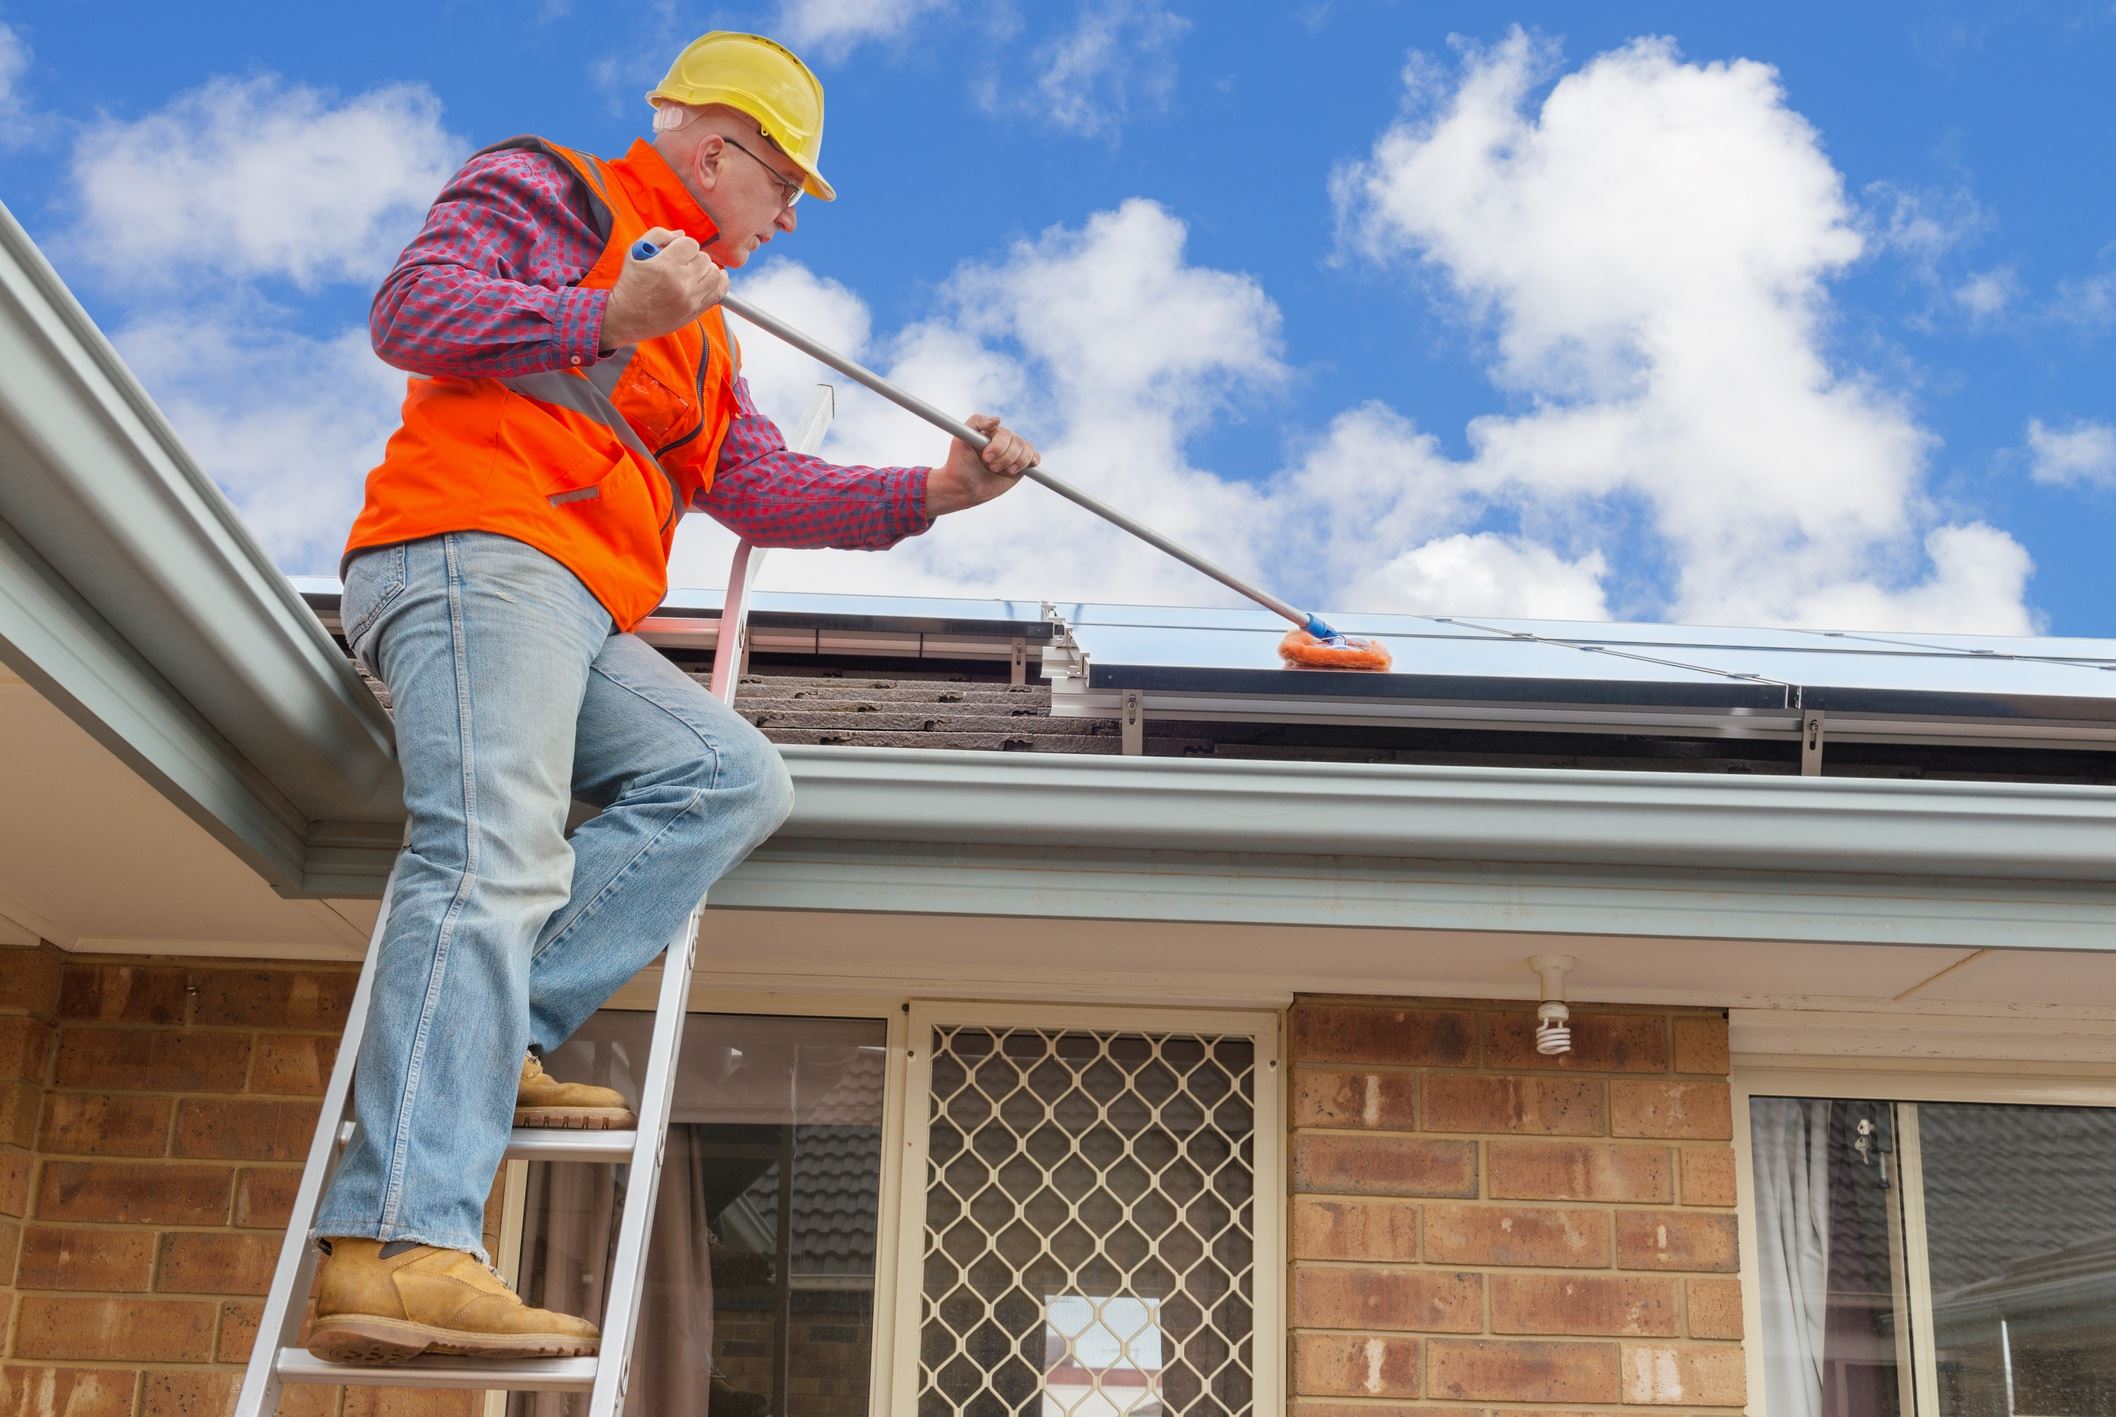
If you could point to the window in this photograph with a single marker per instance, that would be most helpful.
(1934, 1259)
(761, 1268)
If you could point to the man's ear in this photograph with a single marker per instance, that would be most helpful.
(709, 155)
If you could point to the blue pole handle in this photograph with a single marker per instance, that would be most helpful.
(643, 250)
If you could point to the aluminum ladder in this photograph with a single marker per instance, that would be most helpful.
(276, 1359)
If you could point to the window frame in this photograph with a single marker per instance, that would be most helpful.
(900, 1224)
(1847, 1077)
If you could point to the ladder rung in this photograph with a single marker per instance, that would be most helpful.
(555, 1143)
(298, 1365)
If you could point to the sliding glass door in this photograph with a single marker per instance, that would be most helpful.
(1934, 1259)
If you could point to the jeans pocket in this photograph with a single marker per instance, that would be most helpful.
(372, 584)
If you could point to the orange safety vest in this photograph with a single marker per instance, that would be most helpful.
(592, 466)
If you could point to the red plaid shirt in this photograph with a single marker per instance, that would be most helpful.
(487, 288)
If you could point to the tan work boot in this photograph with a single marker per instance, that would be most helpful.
(377, 1308)
(541, 1100)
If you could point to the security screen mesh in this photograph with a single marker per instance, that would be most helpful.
(1089, 1238)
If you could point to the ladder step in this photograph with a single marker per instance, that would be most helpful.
(554, 1143)
(298, 1365)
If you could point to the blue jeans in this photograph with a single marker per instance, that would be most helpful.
(513, 696)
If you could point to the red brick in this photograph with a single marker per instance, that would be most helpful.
(134, 1192)
(121, 993)
(216, 1262)
(200, 1392)
(14, 1181)
(410, 1402)
(1579, 1171)
(239, 1322)
(1676, 1239)
(25, 1048)
(244, 1129)
(37, 1391)
(1383, 1165)
(86, 1258)
(293, 1063)
(1687, 1111)
(10, 1251)
(1354, 1229)
(128, 1330)
(1549, 1237)
(210, 1392)
(1309, 1407)
(104, 1124)
(1362, 1033)
(152, 1060)
(1543, 1106)
(1355, 1365)
(20, 1103)
(1375, 1101)
(1505, 1370)
(274, 998)
(1601, 1043)
(1685, 1374)
(1422, 1300)
(264, 1196)
(29, 979)
(1714, 1306)
(1701, 1046)
(1619, 1305)
(1708, 1175)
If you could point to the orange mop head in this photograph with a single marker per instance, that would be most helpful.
(1317, 646)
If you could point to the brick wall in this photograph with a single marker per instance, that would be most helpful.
(154, 1114)
(1478, 1229)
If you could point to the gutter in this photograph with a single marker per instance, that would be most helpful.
(1675, 821)
(133, 598)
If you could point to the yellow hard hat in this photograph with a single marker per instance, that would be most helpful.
(764, 79)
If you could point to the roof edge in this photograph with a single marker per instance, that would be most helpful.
(232, 698)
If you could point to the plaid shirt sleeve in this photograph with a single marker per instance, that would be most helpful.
(768, 494)
(487, 286)
(486, 289)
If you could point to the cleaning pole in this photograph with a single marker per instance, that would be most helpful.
(1311, 644)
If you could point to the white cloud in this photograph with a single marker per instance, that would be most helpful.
(1978, 585)
(1105, 346)
(257, 179)
(1487, 574)
(835, 27)
(286, 425)
(17, 125)
(1986, 294)
(2089, 301)
(1118, 58)
(1650, 246)
(2083, 454)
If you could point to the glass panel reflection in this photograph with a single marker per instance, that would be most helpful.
(1830, 1258)
(760, 1278)
(2020, 1206)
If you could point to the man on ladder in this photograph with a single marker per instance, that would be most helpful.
(570, 401)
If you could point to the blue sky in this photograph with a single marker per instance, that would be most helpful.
(1732, 314)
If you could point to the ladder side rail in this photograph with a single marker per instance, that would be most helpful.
(731, 648)
(628, 1267)
(286, 1303)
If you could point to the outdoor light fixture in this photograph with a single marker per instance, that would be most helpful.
(1553, 1019)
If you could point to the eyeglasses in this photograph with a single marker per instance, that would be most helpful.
(789, 191)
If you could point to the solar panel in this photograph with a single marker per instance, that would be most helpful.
(1591, 676)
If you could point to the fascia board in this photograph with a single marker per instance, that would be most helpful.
(122, 526)
(1674, 821)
